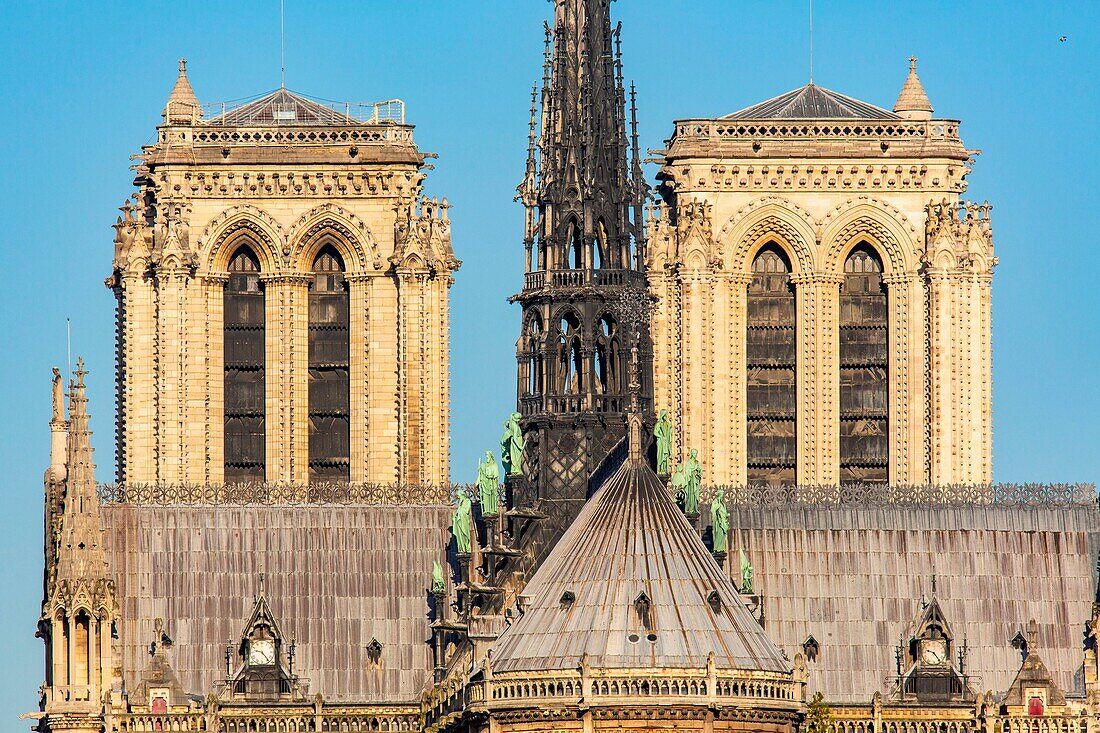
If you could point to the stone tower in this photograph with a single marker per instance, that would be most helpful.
(824, 294)
(584, 244)
(282, 299)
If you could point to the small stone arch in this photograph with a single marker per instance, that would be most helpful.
(764, 220)
(226, 231)
(880, 225)
(331, 224)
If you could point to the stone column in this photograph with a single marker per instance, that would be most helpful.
(93, 661)
(137, 411)
(665, 334)
(359, 376)
(817, 298)
(286, 375)
(695, 363)
(70, 656)
(941, 413)
(172, 346)
(213, 340)
(730, 439)
(411, 284)
(983, 376)
(906, 355)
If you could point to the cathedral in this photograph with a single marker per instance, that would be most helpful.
(747, 484)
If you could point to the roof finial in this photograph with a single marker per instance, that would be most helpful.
(912, 102)
(183, 106)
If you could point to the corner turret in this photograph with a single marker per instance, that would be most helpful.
(912, 102)
(183, 106)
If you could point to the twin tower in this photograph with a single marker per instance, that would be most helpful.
(808, 294)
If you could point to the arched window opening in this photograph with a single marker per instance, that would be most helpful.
(570, 367)
(864, 383)
(329, 382)
(80, 678)
(576, 245)
(535, 358)
(600, 247)
(607, 356)
(245, 360)
(770, 370)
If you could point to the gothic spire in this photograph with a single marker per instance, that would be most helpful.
(80, 555)
(183, 106)
(583, 143)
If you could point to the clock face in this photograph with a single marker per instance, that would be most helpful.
(261, 652)
(934, 651)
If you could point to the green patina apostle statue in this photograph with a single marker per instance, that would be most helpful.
(488, 485)
(438, 584)
(662, 431)
(720, 521)
(462, 524)
(746, 574)
(511, 446)
(693, 479)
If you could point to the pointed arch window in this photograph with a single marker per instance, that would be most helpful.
(534, 339)
(864, 369)
(607, 356)
(770, 370)
(570, 366)
(575, 258)
(245, 361)
(329, 375)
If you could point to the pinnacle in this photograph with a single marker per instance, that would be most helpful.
(183, 105)
(913, 102)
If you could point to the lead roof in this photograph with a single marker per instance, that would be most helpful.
(812, 102)
(631, 539)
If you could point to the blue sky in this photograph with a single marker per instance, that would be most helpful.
(85, 84)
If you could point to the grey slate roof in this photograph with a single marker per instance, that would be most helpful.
(853, 577)
(812, 102)
(336, 577)
(281, 107)
(628, 539)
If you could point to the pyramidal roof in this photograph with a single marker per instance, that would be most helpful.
(631, 585)
(282, 107)
(809, 103)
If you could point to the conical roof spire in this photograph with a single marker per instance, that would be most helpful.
(631, 585)
(912, 102)
(183, 106)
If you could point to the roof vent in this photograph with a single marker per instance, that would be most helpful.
(644, 607)
(567, 599)
(811, 648)
(374, 651)
(715, 601)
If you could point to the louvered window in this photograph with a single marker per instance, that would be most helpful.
(770, 370)
(329, 383)
(864, 385)
(244, 370)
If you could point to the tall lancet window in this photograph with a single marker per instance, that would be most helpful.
(329, 385)
(569, 371)
(770, 370)
(245, 361)
(864, 385)
(576, 247)
(608, 357)
(533, 346)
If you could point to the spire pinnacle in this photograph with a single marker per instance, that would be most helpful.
(912, 102)
(182, 106)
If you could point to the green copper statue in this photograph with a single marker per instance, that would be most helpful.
(488, 485)
(438, 584)
(461, 523)
(662, 431)
(511, 446)
(746, 574)
(693, 479)
(720, 521)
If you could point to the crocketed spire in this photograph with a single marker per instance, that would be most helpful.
(913, 103)
(183, 105)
